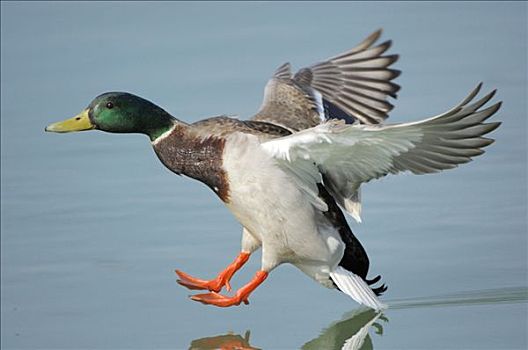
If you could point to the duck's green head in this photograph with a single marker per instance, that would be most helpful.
(118, 112)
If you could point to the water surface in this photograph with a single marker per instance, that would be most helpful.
(93, 225)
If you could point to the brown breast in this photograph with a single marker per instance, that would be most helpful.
(184, 152)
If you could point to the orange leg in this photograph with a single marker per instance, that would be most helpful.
(241, 295)
(217, 283)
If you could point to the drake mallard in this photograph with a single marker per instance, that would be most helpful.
(288, 173)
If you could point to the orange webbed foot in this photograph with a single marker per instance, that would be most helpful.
(196, 283)
(218, 299)
(216, 284)
(241, 295)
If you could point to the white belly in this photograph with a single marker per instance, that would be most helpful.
(267, 202)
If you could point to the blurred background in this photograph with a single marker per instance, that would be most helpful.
(92, 224)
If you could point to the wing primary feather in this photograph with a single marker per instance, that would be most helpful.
(371, 39)
(470, 108)
(283, 72)
(369, 62)
(464, 117)
(367, 53)
(465, 101)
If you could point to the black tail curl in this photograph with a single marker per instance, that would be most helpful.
(373, 281)
(378, 290)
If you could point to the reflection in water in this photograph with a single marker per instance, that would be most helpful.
(224, 342)
(352, 332)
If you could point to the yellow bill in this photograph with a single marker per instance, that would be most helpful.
(78, 123)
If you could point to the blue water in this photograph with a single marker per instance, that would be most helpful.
(93, 225)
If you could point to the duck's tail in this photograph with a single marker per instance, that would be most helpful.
(355, 287)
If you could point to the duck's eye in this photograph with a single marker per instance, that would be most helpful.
(109, 105)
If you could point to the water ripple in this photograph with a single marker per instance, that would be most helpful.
(509, 295)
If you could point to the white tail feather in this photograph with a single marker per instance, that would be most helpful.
(356, 288)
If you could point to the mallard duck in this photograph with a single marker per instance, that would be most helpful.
(288, 173)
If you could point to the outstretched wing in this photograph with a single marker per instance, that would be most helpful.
(354, 85)
(353, 154)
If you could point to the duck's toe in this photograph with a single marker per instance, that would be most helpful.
(218, 299)
(194, 283)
